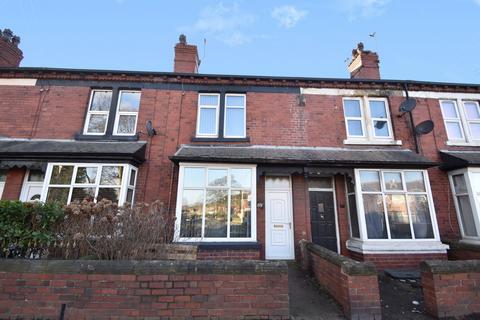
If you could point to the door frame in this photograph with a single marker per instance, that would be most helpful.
(26, 184)
(291, 239)
(332, 190)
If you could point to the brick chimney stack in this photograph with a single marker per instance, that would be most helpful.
(186, 57)
(10, 54)
(364, 64)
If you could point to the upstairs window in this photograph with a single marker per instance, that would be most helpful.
(127, 113)
(221, 116)
(462, 121)
(98, 112)
(367, 120)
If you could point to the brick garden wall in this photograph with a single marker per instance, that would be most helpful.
(451, 288)
(353, 284)
(139, 289)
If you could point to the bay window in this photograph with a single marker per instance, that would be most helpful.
(67, 182)
(216, 203)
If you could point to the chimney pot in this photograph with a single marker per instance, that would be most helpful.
(10, 54)
(364, 64)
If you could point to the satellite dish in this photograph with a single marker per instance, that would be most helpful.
(408, 105)
(150, 129)
(424, 127)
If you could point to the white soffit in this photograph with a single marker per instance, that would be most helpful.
(18, 82)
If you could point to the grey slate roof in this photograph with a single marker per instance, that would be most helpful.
(64, 150)
(459, 159)
(301, 155)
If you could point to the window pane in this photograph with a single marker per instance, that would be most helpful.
(370, 180)
(192, 208)
(377, 109)
(129, 198)
(129, 101)
(112, 194)
(133, 174)
(381, 128)
(459, 183)
(241, 178)
(398, 217)
(320, 183)
(126, 124)
(466, 215)
(471, 110)
(83, 193)
(240, 214)
(475, 130)
(350, 185)
(235, 101)
(393, 180)
(208, 100)
(111, 175)
(352, 207)
(352, 108)
(217, 177)
(3, 176)
(449, 109)
(58, 194)
(414, 181)
(235, 122)
(374, 216)
(101, 101)
(61, 175)
(454, 130)
(194, 178)
(97, 123)
(355, 128)
(422, 224)
(208, 120)
(35, 176)
(216, 214)
(86, 175)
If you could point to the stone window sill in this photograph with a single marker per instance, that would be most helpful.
(397, 247)
(373, 142)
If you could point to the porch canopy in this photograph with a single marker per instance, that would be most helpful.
(306, 160)
(35, 154)
(459, 159)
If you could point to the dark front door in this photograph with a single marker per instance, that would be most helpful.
(322, 211)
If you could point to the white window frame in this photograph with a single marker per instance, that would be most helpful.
(217, 111)
(365, 245)
(235, 107)
(253, 202)
(123, 185)
(26, 184)
(2, 184)
(474, 204)
(119, 113)
(90, 113)
(369, 136)
(347, 195)
(462, 120)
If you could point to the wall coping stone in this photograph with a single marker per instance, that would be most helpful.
(447, 267)
(144, 267)
(456, 245)
(349, 266)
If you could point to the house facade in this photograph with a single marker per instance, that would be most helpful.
(250, 165)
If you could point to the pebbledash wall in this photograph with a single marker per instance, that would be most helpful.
(143, 289)
(51, 104)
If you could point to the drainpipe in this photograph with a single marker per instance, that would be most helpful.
(412, 124)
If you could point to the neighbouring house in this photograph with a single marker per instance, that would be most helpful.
(250, 165)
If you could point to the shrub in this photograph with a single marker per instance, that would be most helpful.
(27, 228)
(103, 230)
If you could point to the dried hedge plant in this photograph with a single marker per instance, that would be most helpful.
(103, 230)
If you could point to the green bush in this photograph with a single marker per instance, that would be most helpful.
(27, 228)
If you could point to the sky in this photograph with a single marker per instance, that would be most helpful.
(431, 40)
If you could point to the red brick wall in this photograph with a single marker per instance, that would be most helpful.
(167, 292)
(13, 184)
(228, 254)
(451, 293)
(301, 211)
(397, 261)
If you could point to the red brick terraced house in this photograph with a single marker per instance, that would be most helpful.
(250, 165)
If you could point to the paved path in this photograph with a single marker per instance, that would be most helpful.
(307, 300)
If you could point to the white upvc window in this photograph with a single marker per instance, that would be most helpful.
(462, 121)
(367, 120)
(208, 114)
(352, 208)
(66, 182)
(98, 112)
(235, 116)
(465, 186)
(216, 202)
(3, 178)
(127, 113)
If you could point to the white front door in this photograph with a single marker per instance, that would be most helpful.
(32, 185)
(278, 219)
